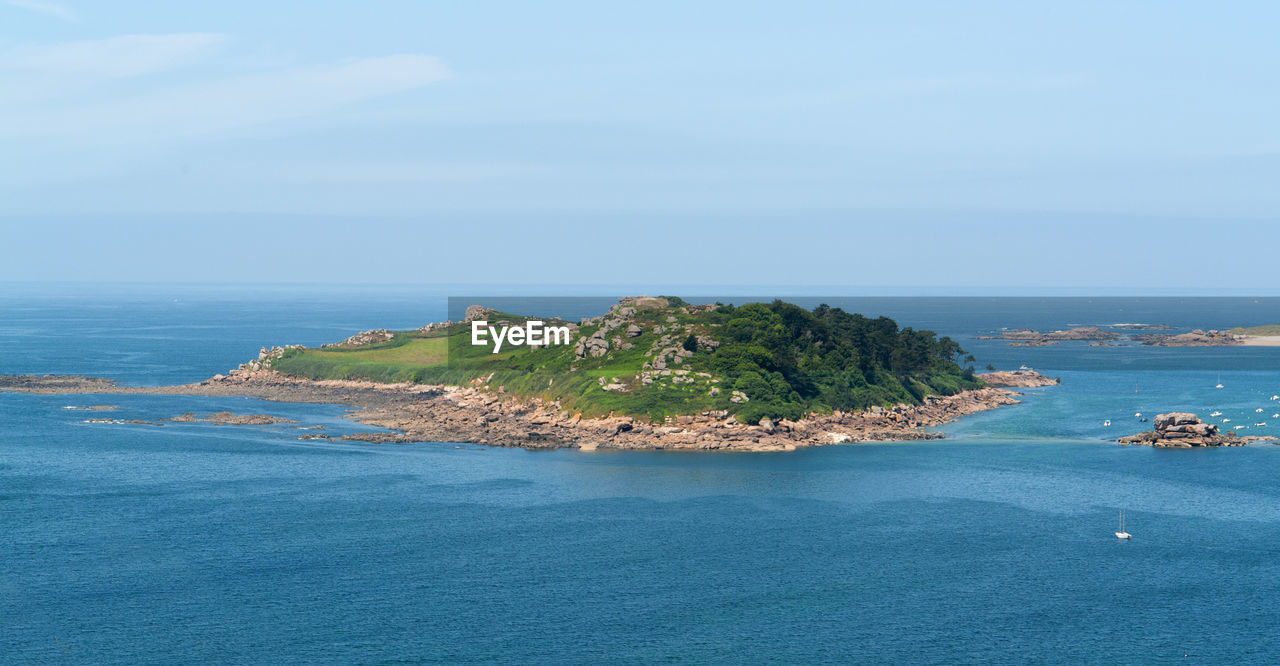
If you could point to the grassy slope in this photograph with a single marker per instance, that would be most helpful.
(411, 351)
(1268, 330)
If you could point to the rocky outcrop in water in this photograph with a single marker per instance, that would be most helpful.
(1196, 338)
(230, 418)
(1025, 337)
(1018, 379)
(1183, 430)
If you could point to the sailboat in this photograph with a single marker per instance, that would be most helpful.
(1219, 382)
(1122, 534)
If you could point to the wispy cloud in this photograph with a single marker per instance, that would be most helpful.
(47, 8)
(115, 57)
(226, 103)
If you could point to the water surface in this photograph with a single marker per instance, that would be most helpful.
(193, 542)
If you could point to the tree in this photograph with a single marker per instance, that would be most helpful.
(691, 343)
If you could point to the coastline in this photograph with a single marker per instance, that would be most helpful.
(423, 413)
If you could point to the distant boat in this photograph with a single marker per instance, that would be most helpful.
(1123, 534)
(1275, 397)
(1275, 416)
(1216, 414)
(1226, 420)
(1258, 410)
(1219, 382)
(1137, 415)
(1260, 425)
(1107, 423)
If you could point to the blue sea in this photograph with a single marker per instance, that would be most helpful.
(192, 542)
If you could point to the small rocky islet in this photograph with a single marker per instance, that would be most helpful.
(1139, 334)
(1184, 430)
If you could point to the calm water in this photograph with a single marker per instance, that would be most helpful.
(193, 542)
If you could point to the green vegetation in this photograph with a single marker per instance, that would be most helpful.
(403, 350)
(1269, 330)
(785, 360)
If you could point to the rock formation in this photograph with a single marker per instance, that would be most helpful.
(363, 338)
(1025, 337)
(1022, 378)
(1196, 338)
(1183, 430)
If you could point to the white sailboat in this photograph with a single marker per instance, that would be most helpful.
(1122, 534)
(1219, 382)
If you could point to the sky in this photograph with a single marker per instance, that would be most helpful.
(1090, 145)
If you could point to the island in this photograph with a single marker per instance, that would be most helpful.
(1183, 430)
(651, 373)
(1025, 337)
(1023, 377)
(1255, 336)
(1195, 338)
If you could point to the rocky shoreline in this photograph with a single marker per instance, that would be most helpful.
(418, 413)
(1021, 378)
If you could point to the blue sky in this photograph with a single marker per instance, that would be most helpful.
(669, 139)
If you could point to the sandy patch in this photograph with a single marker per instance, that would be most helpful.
(1260, 340)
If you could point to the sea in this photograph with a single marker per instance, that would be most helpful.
(190, 542)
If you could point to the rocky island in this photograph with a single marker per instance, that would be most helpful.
(653, 373)
(1195, 338)
(1025, 337)
(1098, 337)
(1020, 378)
(1183, 430)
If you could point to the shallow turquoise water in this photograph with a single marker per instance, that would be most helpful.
(193, 542)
